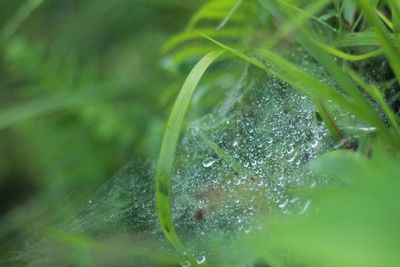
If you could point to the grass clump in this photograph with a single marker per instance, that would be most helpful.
(290, 165)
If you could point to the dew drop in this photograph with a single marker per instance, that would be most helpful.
(305, 208)
(284, 204)
(185, 264)
(314, 144)
(208, 162)
(290, 149)
(235, 143)
(201, 259)
(292, 158)
(247, 230)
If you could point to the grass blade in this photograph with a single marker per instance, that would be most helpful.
(374, 92)
(328, 120)
(168, 148)
(229, 15)
(22, 14)
(384, 19)
(389, 47)
(346, 56)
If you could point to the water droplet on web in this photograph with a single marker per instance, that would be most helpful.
(290, 149)
(237, 181)
(284, 204)
(201, 259)
(292, 158)
(208, 162)
(235, 142)
(185, 264)
(305, 208)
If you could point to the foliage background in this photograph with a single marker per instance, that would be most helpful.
(83, 91)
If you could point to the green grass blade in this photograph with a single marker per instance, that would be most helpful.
(346, 56)
(356, 39)
(22, 14)
(180, 38)
(389, 47)
(374, 92)
(168, 148)
(235, 52)
(395, 15)
(213, 9)
(289, 26)
(36, 108)
(384, 19)
(309, 15)
(229, 15)
(328, 120)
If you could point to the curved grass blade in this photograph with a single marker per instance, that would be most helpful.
(289, 26)
(346, 56)
(22, 14)
(191, 35)
(190, 53)
(309, 15)
(392, 52)
(384, 19)
(168, 148)
(216, 10)
(378, 97)
(328, 120)
(355, 39)
(235, 52)
(229, 15)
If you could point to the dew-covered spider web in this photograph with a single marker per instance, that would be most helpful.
(233, 166)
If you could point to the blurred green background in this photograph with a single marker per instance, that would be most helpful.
(83, 91)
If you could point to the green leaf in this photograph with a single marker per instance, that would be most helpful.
(230, 13)
(392, 52)
(349, 11)
(168, 148)
(343, 55)
(22, 14)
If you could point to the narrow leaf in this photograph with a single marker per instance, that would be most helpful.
(168, 148)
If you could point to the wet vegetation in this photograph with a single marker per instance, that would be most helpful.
(247, 133)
